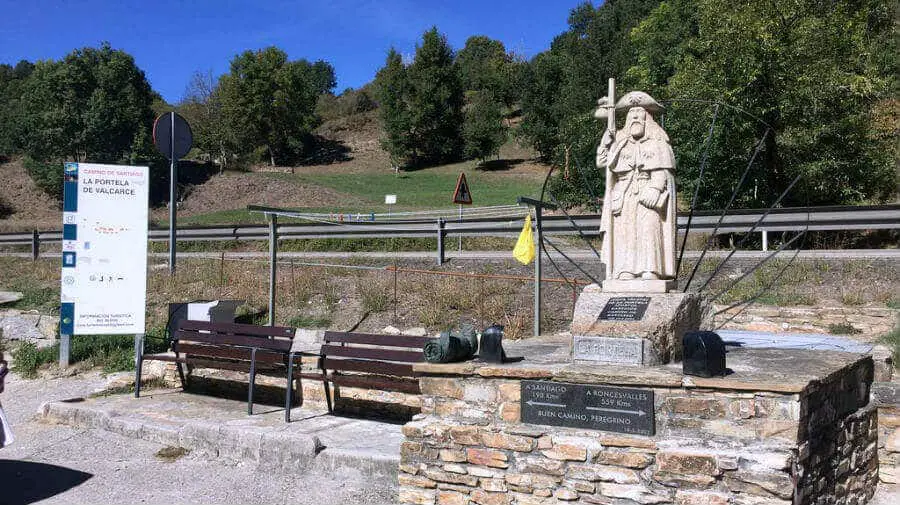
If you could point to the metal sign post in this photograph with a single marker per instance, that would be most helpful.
(390, 200)
(173, 179)
(539, 240)
(462, 196)
(173, 138)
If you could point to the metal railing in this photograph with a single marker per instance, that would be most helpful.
(736, 221)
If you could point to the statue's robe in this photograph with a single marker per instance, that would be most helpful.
(638, 239)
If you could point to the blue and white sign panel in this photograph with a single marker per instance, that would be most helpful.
(104, 260)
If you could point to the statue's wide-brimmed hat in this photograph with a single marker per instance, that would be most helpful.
(631, 99)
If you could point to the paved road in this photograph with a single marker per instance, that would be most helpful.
(579, 254)
(53, 464)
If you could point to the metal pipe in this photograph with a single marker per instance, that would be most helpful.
(64, 345)
(273, 254)
(539, 238)
(173, 180)
(440, 241)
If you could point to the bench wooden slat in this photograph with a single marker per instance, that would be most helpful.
(372, 353)
(239, 329)
(377, 367)
(370, 339)
(375, 382)
(220, 338)
(239, 366)
(214, 351)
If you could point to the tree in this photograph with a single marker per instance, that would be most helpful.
(392, 93)
(202, 107)
(809, 73)
(94, 105)
(562, 85)
(435, 102)
(483, 131)
(421, 106)
(269, 102)
(483, 64)
(540, 106)
(12, 80)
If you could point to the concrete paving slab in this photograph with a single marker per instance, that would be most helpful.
(217, 427)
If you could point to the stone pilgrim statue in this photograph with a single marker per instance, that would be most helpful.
(638, 217)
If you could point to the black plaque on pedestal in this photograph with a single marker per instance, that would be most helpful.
(625, 308)
(622, 410)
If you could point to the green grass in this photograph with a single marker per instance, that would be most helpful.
(244, 216)
(114, 353)
(843, 329)
(34, 297)
(426, 188)
(309, 322)
(892, 340)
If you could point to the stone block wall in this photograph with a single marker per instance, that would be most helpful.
(468, 446)
(886, 397)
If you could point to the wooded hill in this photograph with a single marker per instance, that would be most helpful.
(810, 86)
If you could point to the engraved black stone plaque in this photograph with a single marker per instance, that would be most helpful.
(625, 308)
(622, 410)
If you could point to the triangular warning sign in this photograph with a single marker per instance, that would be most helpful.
(461, 194)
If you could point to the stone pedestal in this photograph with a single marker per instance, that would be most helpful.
(787, 427)
(632, 328)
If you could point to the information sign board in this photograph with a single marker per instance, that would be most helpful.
(622, 410)
(104, 263)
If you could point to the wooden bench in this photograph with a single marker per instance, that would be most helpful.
(370, 361)
(231, 346)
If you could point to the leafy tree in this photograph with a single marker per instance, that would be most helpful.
(540, 107)
(269, 102)
(563, 84)
(435, 102)
(810, 72)
(350, 101)
(483, 131)
(421, 106)
(483, 64)
(94, 105)
(392, 91)
(12, 79)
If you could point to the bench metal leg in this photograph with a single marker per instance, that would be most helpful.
(252, 381)
(289, 395)
(327, 394)
(184, 381)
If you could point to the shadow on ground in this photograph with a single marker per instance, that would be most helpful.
(25, 482)
(498, 165)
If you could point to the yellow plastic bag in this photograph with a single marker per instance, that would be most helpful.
(524, 250)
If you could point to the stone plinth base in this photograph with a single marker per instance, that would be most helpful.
(639, 286)
(787, 427)
(657, 321)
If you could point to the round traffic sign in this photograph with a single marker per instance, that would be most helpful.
(172, 146)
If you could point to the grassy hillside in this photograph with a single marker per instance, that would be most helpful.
(356, 183)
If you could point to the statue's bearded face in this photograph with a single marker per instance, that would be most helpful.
(634, 123)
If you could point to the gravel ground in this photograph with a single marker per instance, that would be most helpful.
(56, 464)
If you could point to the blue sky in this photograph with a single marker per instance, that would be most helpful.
(170, 40)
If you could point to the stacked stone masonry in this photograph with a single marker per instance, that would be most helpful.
(711, 446)
(886, 397)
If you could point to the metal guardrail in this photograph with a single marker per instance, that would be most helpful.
(786, 219)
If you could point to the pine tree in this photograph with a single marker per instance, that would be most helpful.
(435, 102)
(483, 130)
(392, 92)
